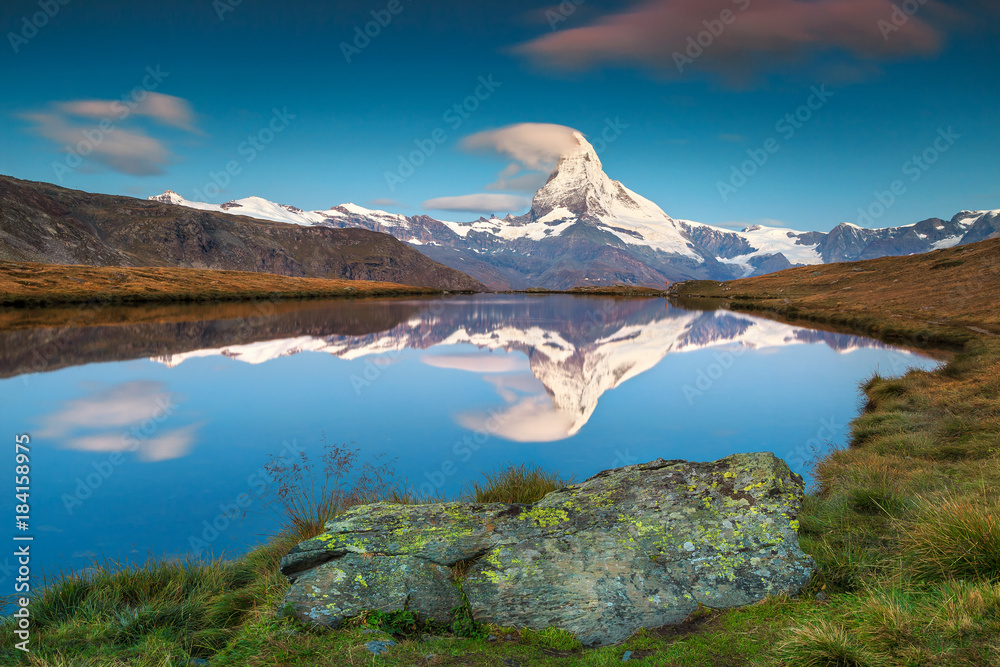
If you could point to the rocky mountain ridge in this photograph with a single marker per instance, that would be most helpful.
(584, 228)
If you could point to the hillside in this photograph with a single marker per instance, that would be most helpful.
(29, 284)
(945, 295)
(44, 223)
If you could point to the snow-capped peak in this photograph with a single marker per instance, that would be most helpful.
(168, 197)
(579, 188)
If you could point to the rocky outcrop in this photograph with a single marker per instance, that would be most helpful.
(630, 548)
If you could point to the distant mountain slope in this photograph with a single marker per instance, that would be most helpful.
(586, 229)
(44, 223)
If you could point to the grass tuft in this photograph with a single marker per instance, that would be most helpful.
(825, 644)
(524, 483)
(957, 538)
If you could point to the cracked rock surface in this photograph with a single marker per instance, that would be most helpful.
(630, 548)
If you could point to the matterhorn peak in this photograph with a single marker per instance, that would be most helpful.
(579, 185)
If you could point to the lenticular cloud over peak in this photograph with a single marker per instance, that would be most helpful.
(534, 145)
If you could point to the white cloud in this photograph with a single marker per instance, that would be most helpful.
(127, 417)
(536, 146)
(530, 419)
(478, 363)
(170, 445)
(479, 203)
(119, 406)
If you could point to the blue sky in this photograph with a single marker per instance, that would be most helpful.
(225, 68)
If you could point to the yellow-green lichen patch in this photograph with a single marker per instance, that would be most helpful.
(546, 517)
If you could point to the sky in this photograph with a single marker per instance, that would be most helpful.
(732, 112)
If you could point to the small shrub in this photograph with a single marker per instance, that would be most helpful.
(305, 497)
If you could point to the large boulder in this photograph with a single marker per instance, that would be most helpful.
(635, 547)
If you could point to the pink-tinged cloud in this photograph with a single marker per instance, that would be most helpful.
(759, 35)
(103, 131)
(166, 109)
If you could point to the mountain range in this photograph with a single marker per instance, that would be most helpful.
(584, 228)
(40, 222)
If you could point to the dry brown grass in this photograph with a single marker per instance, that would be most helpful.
(943, 296)
(906, 526)
(29, 284)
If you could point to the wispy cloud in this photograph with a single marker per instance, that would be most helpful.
(479, 203)
(125, 417)
(767, 35)
(94, 130)
(172, 444)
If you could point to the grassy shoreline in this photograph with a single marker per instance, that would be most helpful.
(597, 290)
(905, 527)
(26, 285)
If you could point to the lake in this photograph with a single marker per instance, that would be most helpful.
(150, 426)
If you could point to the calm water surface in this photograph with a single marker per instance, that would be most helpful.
(147, 433)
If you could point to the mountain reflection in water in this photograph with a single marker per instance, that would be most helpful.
(574, 349)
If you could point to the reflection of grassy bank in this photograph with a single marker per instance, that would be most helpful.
(906, 526)
(27, 284)
(601, 290)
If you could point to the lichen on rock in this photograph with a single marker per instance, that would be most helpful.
(630, 548)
